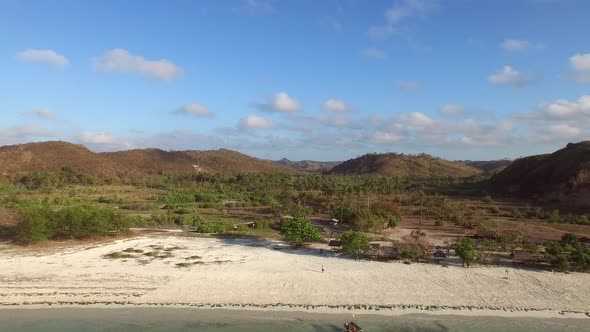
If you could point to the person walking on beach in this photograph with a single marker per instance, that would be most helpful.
(322, 269)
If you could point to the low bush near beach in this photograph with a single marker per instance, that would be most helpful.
(41, 223)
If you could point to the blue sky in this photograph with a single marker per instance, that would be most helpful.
(324, 80)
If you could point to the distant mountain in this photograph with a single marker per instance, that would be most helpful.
(491, 166)
(403, 165)
(17, 160)
(309, 165)
(563, 175)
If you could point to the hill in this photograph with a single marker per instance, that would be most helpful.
(403, 165)
(562, 175)
(309, 165)
(17, 160)
(490, 166)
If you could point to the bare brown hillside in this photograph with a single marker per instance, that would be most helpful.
(563, 175)
(490, 166)
(17, 160)
(403, 165)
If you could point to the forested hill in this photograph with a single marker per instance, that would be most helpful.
(562, 175)
(18, 160)
(309, 165)
(403, 165)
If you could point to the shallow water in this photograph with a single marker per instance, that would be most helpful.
(204, 320)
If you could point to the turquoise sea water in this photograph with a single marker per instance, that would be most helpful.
(166, 319)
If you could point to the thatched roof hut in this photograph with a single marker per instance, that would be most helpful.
(335, 243)
(383, 253)
(439, 255)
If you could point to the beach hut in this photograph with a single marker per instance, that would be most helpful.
(439, 256)
(383, 253)
(335, 245)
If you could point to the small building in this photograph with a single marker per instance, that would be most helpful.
(383, 253)
(336, 245)
(439, 256)
(374, 245)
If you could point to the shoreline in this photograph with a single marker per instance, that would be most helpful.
(162, 271)
(374, 310)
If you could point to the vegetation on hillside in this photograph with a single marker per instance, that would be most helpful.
(559, 175)
(403, 165)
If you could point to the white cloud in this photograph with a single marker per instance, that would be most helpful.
(336, 106)
(451, 109)
(375, 53)
(564, 109)
(42, 113)
(253, 122)
(337, 122)
(564, 130)
(416, 119)
(103, 141)
(194, 109)
(408, 86)
(120, 60)
(580, 64)
(510, 76)
(515, 45)
(280, 102)
(49, 57)
(97, 138)
(401, 10)
(385, 138)
(24, 134)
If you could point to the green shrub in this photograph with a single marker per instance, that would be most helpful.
(41, 223)
(495, 210)
(411, 253)
(35, 226)
(554, 217)
(300, 230)
(487, 199)
(174, 197)
(344, 214)
(439, 222)
(263, 224)
(516, 213)
(370, 221)
(466, 250)
(354, 243)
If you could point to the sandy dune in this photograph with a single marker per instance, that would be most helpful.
(254, 273)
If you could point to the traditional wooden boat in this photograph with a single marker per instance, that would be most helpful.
(352, 327)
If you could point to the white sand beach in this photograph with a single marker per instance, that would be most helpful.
(253, 273)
